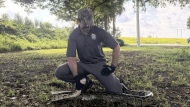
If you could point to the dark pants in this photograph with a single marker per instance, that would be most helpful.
(111, 82)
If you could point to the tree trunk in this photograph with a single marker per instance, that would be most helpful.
(106, 23)
(114, 29)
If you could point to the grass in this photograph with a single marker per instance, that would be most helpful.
(28, 77)
(11, 43)
(131, 40)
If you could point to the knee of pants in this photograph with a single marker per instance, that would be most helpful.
(60, 71)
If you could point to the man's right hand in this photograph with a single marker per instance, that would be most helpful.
(77, 79)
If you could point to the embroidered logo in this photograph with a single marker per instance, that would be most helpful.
(93, 36)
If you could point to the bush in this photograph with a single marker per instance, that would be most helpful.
(121, 42)
(4, 49)
(32, 38)
(15, 47)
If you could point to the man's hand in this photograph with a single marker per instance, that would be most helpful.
(107, 70)
(78, 79)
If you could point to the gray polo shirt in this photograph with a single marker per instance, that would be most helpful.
(89, 47)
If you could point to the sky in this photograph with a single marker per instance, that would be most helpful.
(169, 22)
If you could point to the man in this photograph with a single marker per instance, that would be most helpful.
(86, 40)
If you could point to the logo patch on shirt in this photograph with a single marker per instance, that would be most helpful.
(93, 36)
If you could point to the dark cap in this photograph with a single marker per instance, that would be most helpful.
(85, 15)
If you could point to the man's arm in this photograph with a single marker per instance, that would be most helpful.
(115, 55)
(72, 65)
(107, 70)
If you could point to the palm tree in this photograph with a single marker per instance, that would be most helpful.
(117, 11)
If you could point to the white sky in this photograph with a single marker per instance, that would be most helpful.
(158, 22)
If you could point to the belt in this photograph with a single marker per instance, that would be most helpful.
(95, 62)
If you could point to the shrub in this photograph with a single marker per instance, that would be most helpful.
(32, 38)
(15, 47)
(4, 49)
(121, 42)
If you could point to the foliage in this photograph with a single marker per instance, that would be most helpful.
(162, 3)
(116, 32)
(23, 34)
(10, 43)
(104, 10)
(111, 10)
(188, 23)
(121, 42)
(2, 3)
(32, 38)
(6, 25)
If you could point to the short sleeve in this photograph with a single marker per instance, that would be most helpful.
(109, 41)
(71, 47)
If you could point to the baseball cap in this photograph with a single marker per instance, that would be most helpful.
(85, 15)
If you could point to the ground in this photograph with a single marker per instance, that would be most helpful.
(28, 78)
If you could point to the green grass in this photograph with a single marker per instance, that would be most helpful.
(129, 40)
(11, 43)
(28, 77)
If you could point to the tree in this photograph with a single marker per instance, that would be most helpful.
(70, 6)
(5, 17)
(188, 23)
(107, 12)
(19, 23)
(104, 10)
(162, 3)
(2, 3)
(44, 30)
(117, 11)
(18, 19)
(36, 23)
(67, 9)
(6, 25)
(28, 26)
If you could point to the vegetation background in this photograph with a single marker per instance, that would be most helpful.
(20, 34)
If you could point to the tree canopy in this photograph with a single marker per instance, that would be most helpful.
(67, 9)
(2, 3)
(188, 23)
(163, 3)
(105, 11)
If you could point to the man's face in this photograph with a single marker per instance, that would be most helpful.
(85, 25)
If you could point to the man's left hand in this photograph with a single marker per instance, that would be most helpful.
(107, 70)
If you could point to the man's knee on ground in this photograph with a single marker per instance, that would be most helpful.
(59, 73)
